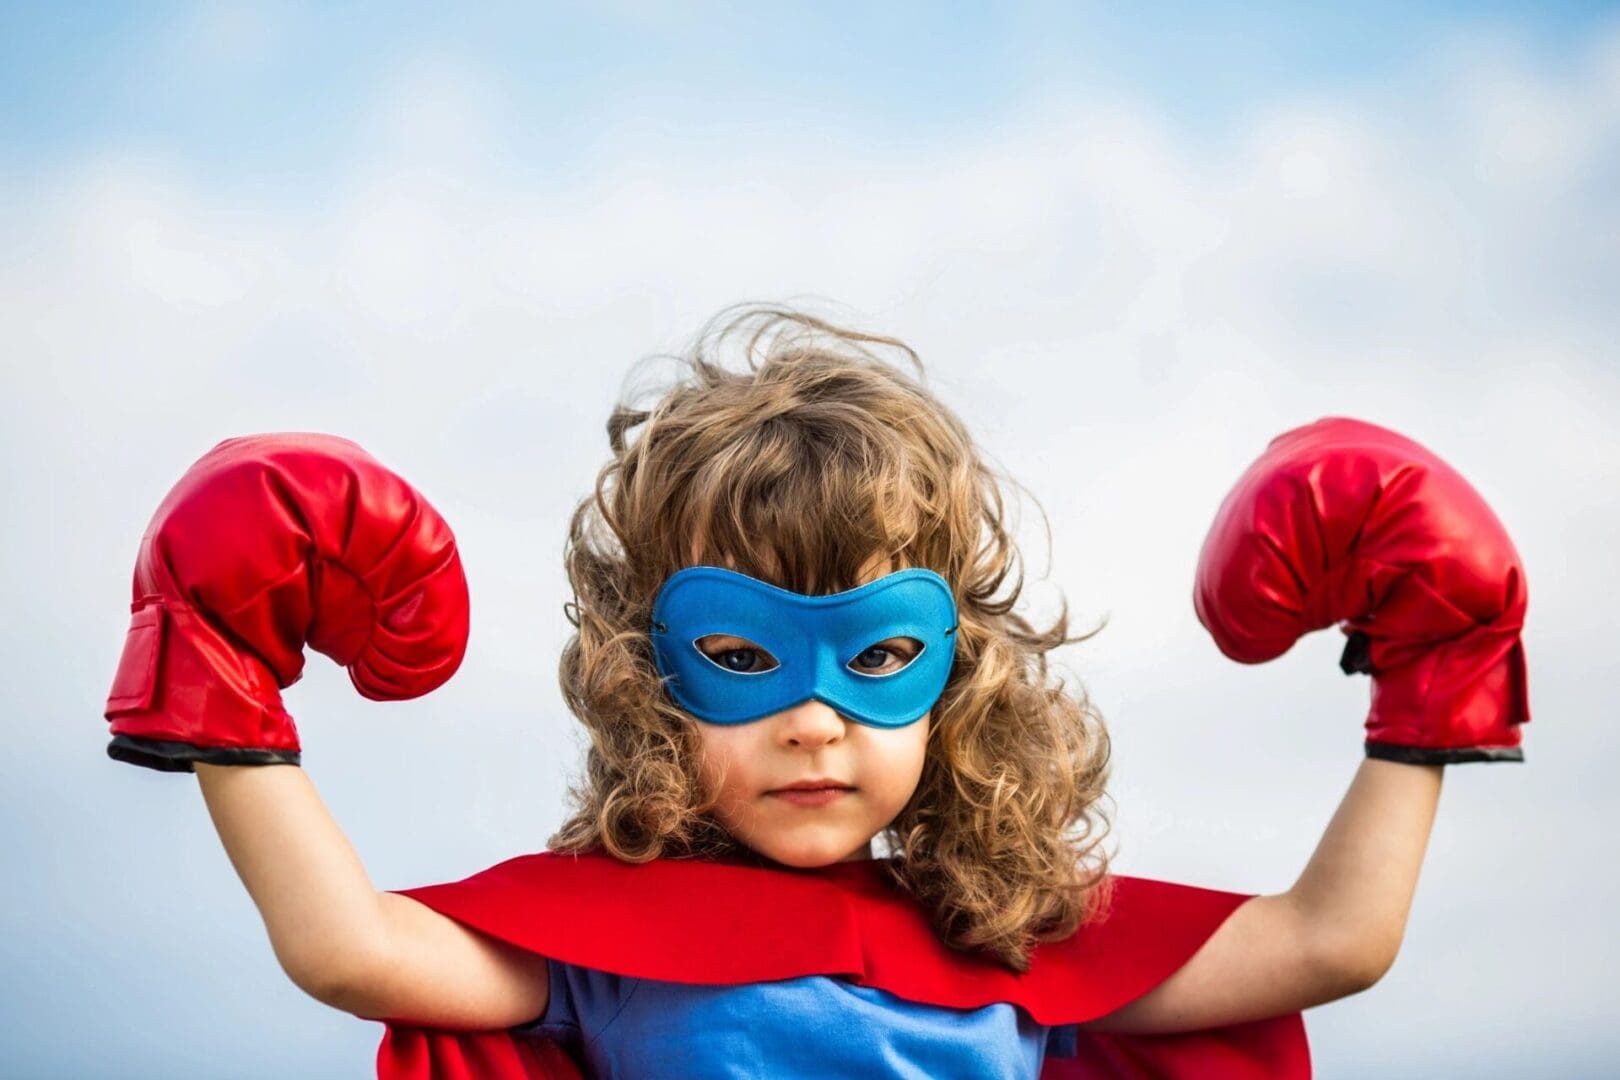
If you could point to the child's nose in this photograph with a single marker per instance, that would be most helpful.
(811, 723)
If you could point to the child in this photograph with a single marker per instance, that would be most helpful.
(798, 576)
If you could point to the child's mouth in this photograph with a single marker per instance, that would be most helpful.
(811, 796)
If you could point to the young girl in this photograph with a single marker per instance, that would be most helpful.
(795, 601)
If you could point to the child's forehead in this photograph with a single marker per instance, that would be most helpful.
(769, 567)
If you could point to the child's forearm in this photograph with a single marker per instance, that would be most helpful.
(1356, 891)
(318, 905)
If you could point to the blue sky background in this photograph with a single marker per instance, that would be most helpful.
(1131, 242)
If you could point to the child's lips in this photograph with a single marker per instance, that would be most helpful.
(820, 796)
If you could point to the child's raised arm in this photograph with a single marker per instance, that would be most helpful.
(1334, 933)
(341, 941)
(1346, 522)
(267, 544)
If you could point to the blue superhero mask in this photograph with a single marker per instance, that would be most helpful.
(814, 640)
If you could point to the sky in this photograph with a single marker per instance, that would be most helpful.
(1131, 244)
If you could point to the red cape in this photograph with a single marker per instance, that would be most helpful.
(720, 921)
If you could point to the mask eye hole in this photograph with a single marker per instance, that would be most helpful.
(739, 656)
(887, 656)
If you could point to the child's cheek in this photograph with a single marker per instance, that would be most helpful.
(723, 765)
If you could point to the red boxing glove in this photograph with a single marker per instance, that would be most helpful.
(269, 543)
(1346, 522)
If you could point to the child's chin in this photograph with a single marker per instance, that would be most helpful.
(808, 856)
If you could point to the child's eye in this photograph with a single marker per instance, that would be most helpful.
(887, 657)
(735, 654)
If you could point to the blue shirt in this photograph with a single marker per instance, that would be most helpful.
(812, 1026)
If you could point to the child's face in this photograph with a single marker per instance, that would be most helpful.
(745, 765)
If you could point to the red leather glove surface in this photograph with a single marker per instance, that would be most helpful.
(1343, 521)
(269, 543)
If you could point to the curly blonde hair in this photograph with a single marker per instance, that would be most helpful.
(799, 469)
